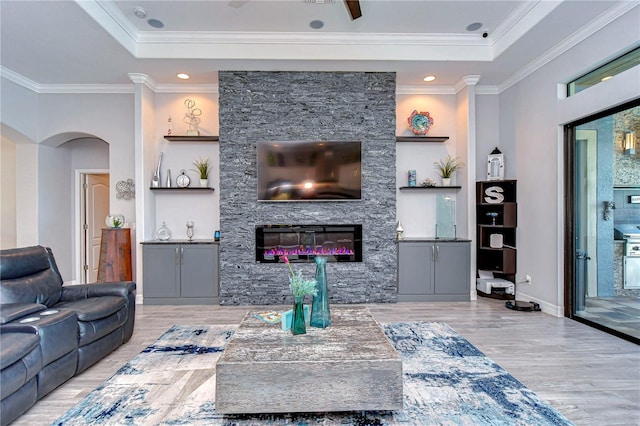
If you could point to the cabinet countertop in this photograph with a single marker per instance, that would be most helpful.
(432, 240)
(185, 241)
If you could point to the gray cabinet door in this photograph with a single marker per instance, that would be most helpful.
(199, 276)
(415, 268)
(161, 270)
(452, 268)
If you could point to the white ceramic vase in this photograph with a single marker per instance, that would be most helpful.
(446, 181)
(204, 183)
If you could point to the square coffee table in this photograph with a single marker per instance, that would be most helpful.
(348, 366)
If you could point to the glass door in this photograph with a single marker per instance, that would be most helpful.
(603, 177)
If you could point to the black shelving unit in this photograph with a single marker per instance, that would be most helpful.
(495, 216)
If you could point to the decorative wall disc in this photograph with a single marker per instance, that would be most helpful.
(420, 122)
(125, 189)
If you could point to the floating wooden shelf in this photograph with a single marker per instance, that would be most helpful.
(187, 189)
(428, 187)
(192, 138)
(422, 138)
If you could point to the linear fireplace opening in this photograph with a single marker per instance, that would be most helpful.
(301, 243)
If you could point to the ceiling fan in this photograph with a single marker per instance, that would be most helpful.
(353, 6)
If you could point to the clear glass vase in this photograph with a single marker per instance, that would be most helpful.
(297, 322)
(320, 312)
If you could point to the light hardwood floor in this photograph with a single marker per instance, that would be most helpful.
(589, 376)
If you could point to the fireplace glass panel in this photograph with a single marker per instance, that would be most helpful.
(301, 243)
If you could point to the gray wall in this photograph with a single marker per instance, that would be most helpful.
(289, 106)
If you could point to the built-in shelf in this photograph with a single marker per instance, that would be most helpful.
(413, 188)
(422, 138)
(173, 138)
(187, 189)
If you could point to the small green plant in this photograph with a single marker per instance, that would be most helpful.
(298, 285)
(117, 223)
(448, 166)
(203, 167)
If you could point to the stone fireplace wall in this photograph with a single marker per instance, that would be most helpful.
(289, 106)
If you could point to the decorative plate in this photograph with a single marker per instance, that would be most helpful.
(420, 122)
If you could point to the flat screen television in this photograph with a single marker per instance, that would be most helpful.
(309, 171)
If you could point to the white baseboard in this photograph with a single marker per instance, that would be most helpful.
(546, 307)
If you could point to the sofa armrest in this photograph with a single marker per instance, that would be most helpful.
(85, 291)
(18, 328)
(13, 311)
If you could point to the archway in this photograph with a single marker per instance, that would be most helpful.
(67, 223)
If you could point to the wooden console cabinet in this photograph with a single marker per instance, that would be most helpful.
(115, 255)
(434, 270)
(180, 273)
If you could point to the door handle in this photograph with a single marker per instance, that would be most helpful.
(437, 253)
(181, 255)
(177, 256)
(433, 253)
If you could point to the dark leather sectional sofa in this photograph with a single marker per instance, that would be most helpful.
(50, 332)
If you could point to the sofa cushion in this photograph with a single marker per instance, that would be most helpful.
(19, 262)
(29, 275)
(20, 358)
(94, 308)
(90, 331)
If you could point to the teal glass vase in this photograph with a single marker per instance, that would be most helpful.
(320, 312)
(297, 323)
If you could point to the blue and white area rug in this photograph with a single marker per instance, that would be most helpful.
(447, 381)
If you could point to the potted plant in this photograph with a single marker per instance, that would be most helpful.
(447, 167)
(203, 167)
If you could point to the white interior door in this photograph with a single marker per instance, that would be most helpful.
(96, 209)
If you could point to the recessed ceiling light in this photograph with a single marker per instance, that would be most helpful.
(183, 76)
(430, 78)
(606, 78)
(475, 26)
(155, 23)
(316, 24)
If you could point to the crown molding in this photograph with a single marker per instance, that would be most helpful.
(86, 88)
(304, 38)
(425, 90)
(487, 90)
(19, 79)
(521, 21)
(112, 20)
(465, 81)
(139, 78)
(583, 33)
(187, 88)
(195, 88)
